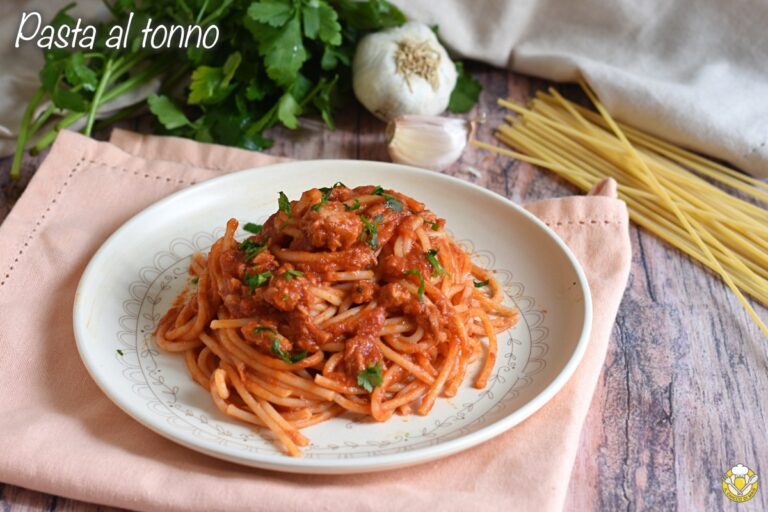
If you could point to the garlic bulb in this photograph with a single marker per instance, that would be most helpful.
(425, 141)
(403, 70)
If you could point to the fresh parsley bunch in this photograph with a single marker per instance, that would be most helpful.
(278, 60)
(275, 61)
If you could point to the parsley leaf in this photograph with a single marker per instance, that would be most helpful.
(194, 280)
(251, 249)
(253, 228)
(372, 229)
(68, 99)
(120, 352)
(415, 272)
(329, 29)
(272, 12)
(324, 198)
(482, 284)
(370, 378)
(437, 268)
(465, 93)
(290, 274)
(393, 203)
(282, 49)
(284, 204)
(286, 356)
(287, 111)
(435, 226)
(167, 112)
(371, 15)
(310, 16)
(253, 281)
(355, 205)
(321, 21)
(295, 358)
(333, 55)
(263, 328)
(78, 73)
(211, 85)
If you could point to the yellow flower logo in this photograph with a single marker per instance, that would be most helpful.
(740, 483)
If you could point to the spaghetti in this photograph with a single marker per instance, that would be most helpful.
(346, 300)
(669, 190)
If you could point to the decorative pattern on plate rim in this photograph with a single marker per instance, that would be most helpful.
(148, 382)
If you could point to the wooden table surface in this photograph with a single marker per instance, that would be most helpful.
(682, 396)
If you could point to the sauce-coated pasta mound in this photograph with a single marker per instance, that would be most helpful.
(349, 299)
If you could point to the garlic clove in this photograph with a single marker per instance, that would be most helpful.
(431, 142)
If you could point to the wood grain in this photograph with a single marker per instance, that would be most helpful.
(682, 396)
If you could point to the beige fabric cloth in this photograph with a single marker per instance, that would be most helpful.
(62, 435)
(692, 71)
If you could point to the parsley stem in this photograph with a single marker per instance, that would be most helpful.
(268, 120)
(25, 132)
(124, 113)
(118, 90)
(42, 118)
(215, 14)
(311, 94)
(49, 137)
(202, 11)
(170, 82)
(96, 102)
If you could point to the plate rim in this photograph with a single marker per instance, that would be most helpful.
(284, 463)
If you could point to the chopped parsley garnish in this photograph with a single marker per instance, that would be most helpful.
(370, 378)
(284, 204)
(437, 268)
(120, 352)
(323, 200)
(255, 280)
(414, 272)
(393, 203)
(290, 274)
(253, 228)
(435, 226)
(390, 201)
(286, 356)
(482, 284)
(263, 328)
(355, 205)
(195, 280)
(326, 192)
(372, 229)
(251, 249)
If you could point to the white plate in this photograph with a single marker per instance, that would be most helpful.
(136, 274)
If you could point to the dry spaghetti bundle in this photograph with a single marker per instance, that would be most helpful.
(670, 191)
(345, 300)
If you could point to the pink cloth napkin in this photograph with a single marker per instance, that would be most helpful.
(62, 435)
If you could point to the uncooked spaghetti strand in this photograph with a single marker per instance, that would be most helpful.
(567, 173)
(683, 156)
(670, 203)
